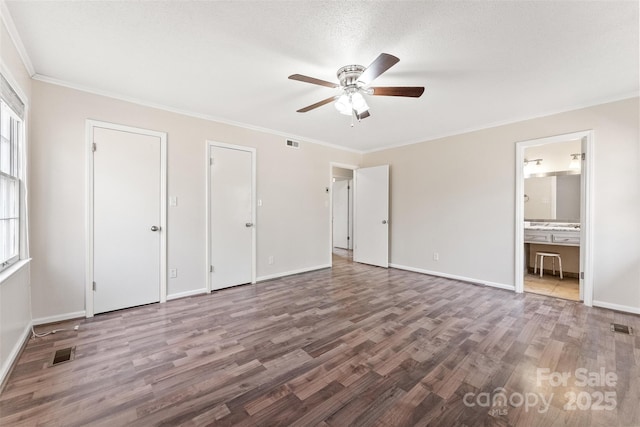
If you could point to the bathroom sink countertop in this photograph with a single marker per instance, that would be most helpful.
(552, 226)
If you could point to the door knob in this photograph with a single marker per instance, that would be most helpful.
(155, 228)
(248, 224)
(384, 221)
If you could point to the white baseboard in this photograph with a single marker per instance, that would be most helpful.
(187, 294)
(292, 272)
(13, 356)
(454, 277)
(59, 318)
(618, 307)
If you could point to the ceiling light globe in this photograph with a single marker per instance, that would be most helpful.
(575, 162)
(343, 105)
(359, 104)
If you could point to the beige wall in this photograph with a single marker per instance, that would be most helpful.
(15, 317)
(15, 309)
(456, 196)
(292, 224)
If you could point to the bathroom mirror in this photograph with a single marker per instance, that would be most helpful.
(553, 196)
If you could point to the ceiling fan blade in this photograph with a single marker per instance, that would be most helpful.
(312, 80)
(381, 64)
(316, 105)
(411, 91)
(364, 115)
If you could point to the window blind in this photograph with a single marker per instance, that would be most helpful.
(12, 99)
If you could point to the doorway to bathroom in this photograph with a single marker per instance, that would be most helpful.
(342, 212)
(553, 217)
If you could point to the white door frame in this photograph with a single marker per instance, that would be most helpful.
(586, 209)
(89, 225)
(251, 150)
(330, 187)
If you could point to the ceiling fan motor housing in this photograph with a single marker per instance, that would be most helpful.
(349, 75)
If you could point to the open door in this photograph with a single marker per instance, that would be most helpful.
(371, 209)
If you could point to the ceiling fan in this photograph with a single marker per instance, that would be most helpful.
(354, 83)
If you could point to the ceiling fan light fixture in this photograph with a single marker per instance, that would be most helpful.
(358, 102)
(348, 103)
(354, 84)
(343, 104)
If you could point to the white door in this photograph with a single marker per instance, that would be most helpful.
(341, 213)
(371, 215)
(126, 219)
(231, 216)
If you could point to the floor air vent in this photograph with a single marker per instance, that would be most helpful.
(623, 329)
(63, 355)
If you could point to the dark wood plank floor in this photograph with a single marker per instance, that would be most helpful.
(354, 345)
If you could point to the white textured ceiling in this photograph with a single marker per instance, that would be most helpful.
(482, 63)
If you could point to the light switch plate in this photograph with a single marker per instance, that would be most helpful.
(173, 201)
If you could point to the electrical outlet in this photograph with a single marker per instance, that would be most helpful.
(270, 259)
(436, 256)
(173, 273)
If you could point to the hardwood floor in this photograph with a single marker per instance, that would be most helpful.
(352, 345)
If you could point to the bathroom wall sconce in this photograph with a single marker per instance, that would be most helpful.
(537, 162)
(575, 161)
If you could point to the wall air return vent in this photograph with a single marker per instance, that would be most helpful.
(293, 144)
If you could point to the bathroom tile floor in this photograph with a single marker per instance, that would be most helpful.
(567, 288)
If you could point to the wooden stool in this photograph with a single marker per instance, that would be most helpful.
(553, 256)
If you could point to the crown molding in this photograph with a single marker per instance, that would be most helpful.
(601, 101)
(15, 38)
(113, 95)
(427, 138)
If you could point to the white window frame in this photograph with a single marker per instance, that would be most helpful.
(15, 138)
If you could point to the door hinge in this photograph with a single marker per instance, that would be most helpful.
(582, 275)
(94, 147)
(348, 187)
(94, 286)
(348, 238)
(211, 161)
(584, 156)
(211, 269)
